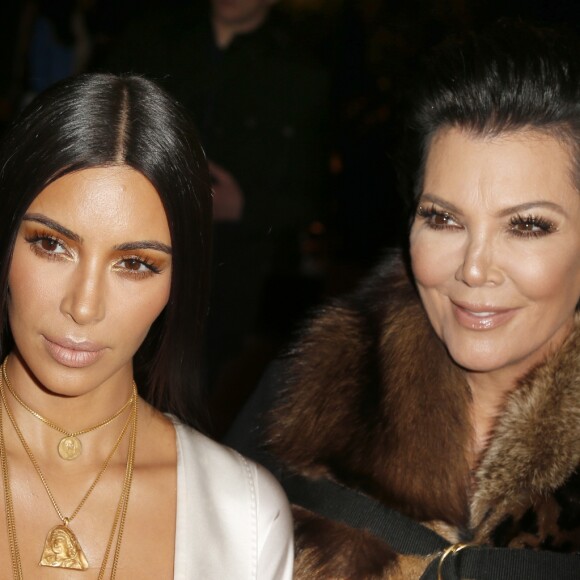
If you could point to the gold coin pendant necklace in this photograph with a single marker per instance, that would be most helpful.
(62, 548)
(69, 447)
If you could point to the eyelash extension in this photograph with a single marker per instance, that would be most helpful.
(546, 226)
(38, 236)
(431, 212)
(144, 261)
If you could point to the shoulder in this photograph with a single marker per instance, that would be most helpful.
(339, 380)
(215, 460)
(237, 503)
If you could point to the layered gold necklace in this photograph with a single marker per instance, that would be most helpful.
(62, 548)
(69, 447)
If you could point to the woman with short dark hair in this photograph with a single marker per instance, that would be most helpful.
(105, 218)
(447, 388)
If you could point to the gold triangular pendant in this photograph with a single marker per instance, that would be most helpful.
(62, 550)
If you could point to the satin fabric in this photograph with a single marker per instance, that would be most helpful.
(233, 519)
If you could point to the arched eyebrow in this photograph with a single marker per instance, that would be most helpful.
(144, 245)
(127, 247)
(532, 205)
(46, 221)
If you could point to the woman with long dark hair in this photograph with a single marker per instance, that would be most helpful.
(105, 216)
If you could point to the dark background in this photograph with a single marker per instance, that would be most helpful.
(370, 49)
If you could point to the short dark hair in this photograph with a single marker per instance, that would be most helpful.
(511, 77)
(99, 120)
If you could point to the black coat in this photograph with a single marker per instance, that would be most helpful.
(261, 107)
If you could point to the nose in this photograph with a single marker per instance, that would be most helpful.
(478, 266)
(84, 297)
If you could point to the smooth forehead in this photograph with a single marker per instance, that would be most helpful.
(516, 166)
(117, 200)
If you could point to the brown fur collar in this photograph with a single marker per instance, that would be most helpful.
(375, 402)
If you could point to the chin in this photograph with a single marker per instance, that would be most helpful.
(479, 365)
(474, 359)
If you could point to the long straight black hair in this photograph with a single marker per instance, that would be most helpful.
(99, 120)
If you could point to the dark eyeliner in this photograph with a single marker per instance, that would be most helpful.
(429, 215)
(144, 261)
(545, 226)
(34, 238)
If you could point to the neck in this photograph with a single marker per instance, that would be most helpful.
(488, 397)
(489, 392)
(491, 389)
(225, 31)
(37, 410)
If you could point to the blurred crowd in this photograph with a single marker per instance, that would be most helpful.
(297, 104)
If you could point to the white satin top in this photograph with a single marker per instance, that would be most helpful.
(233, 519)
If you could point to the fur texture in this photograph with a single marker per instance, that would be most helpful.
(374, 401)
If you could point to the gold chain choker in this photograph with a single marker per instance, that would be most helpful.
(69, 447)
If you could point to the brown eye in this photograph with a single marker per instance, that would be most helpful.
(437, 219)
(139, 267)
(133, 265)
(531, 226)
(526, 227)
(440, 219)
(49, 245)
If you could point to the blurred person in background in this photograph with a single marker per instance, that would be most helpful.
(260, 105)
(53, 42)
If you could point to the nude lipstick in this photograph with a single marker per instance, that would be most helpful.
(481, 317)
(73, 354)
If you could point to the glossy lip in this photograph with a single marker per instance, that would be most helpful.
(72, 353)
(481, 317)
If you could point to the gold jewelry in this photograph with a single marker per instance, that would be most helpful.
(121, 513)
(61, 547)
(451, 550)
(9, 507)
(69, 447)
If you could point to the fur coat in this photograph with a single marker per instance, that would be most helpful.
(374, 401)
